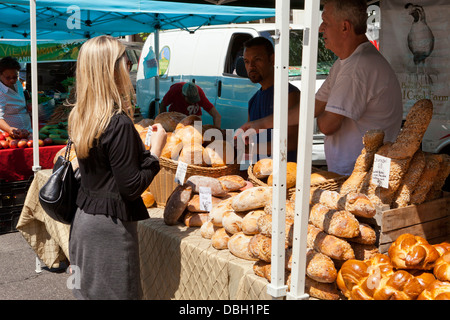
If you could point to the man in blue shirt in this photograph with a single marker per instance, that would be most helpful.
(259, 59)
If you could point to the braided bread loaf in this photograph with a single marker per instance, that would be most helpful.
(437, 290)
(442, 267)
(412, 252)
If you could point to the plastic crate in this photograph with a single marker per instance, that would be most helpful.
(13, 194)
(9, 218)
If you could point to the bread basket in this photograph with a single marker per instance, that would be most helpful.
(164, 183)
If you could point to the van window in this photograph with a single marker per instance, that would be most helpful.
(235, 50)
(325, 57)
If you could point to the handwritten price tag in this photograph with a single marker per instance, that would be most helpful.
(205, 199)
(381, 171)
(148, 136)
(181, 172)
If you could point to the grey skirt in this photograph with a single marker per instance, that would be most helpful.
(104, 255)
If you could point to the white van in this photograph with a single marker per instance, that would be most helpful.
(207, 57)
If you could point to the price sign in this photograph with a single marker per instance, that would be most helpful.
(181, 172)
(205, 199)
(381, 171)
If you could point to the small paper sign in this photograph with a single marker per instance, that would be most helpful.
(148, 136)
(381, 171)
(205, 199)
(181, 172)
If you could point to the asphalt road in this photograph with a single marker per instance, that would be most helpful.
(18, 277)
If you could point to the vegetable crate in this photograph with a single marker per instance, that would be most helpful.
(429, 220)
(12, 198)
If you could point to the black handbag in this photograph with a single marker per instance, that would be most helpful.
(58, 196)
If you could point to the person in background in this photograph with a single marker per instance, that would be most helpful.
(361, 92)
(13, 107)
(259, 59)
(188, 98)
(115, 170)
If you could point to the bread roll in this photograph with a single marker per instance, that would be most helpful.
(290, 209)
(260, 247)
(437, 290)
(321, 177)
(329, 245)
(220, 153)
(263, 168)
(195, 219)
(291, 175)
(410, 180)
(191, 120)
(232, 182)
(218, 211)
(367, 235)
(232, 221)
(433, 164)
(207, 230)
(412, 252)
(320, 267)
(194, 154)
(220, 238)
(442, 247)
(144, 123)
(214, 184)
(442, 267)
(410, 137)
(177, 203)
(250, 222)
(339, 223)
(265, 227)
(253, 198)
(169, 120)
(189, 135)
(238, 246)
(172, 147)
(148, 198)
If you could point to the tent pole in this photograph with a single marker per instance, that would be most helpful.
(277, 287)
(157, 75)
(305, 138)
(34, 87)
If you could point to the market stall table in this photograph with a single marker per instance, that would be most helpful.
(16, 164)
(176, 262)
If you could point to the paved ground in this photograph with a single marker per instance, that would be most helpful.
(18, 278)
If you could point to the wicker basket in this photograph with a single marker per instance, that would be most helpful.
(164, 183)
(330, 184)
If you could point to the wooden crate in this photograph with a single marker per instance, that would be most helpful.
(430, 220)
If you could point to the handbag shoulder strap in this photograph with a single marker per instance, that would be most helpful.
(68, 147)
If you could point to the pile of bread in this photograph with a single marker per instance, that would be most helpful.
(263, 171)
(187, 141)
(415, 176)
(413, 269)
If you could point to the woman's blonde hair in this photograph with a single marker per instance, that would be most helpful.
(103, 88)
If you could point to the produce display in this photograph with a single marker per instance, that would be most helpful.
(343, 260)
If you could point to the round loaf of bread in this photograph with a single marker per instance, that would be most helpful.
(238, 246)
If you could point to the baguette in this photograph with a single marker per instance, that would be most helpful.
(410, 180)
(423, 186)
(372, 140)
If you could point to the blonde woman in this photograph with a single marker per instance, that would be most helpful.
(115, 170)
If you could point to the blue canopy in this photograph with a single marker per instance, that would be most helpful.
(63, 19)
